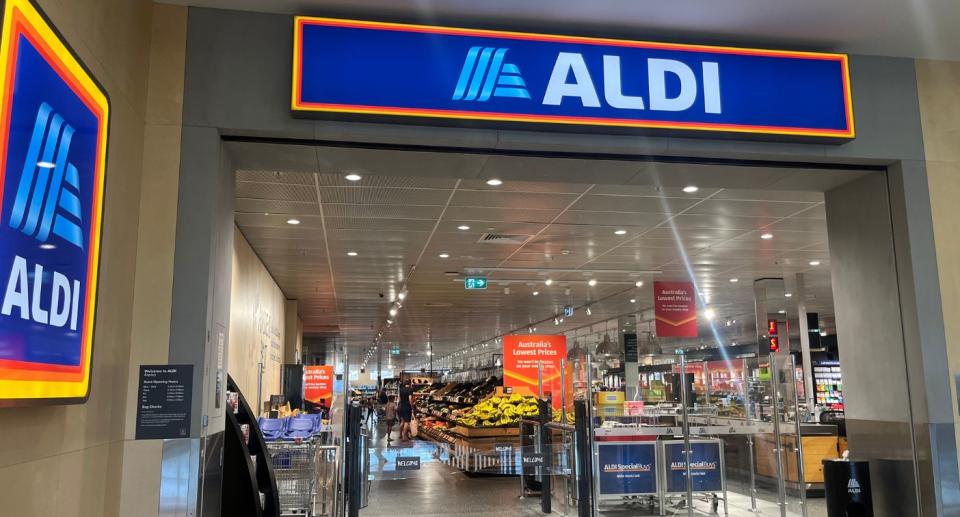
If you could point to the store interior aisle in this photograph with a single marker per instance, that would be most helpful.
(437, 489)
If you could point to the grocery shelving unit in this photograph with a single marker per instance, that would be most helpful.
(828, 384)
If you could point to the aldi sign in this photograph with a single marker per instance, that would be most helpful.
(375, 68)
(53, 145)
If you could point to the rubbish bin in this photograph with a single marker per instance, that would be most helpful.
(847, 488)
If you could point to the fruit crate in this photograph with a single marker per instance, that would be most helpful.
(486, 432)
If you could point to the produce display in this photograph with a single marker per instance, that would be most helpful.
(498, 412)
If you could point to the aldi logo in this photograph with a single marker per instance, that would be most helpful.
(54, 120)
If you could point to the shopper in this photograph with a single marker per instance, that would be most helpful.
(371, 409)
(405, 410)
(390, 415)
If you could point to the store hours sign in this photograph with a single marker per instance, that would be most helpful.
(53, 144)
(375, 68)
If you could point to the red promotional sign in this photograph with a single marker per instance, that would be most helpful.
(318, 383)
(522, 357)
(675, 305)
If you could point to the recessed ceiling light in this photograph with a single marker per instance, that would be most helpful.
(788, 295)
(564, 252)
(353, 177)
(48, 246)
(709, 313)
(494, 182)
(548, 281)
(293, 221)
(352, 253)
(734, 280)
(814, 262)
(266, 213)
(781, 311)
(444, 255)
(393, 312)
(620, 232)
(766, 236)
(536, 293)
(402, 295)
(639, 283)
(592, 282)
(463, 227)
(690, 189)
(633, 300)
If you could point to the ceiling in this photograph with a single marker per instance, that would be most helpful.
(914, 28)
(400, 226)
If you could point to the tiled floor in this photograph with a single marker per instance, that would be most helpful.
(439, 490)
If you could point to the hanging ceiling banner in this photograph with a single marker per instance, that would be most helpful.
(53, 147)
(530, 358)
(375, 68)
(318, 383)
(675, 307)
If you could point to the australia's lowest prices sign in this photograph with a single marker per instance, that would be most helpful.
(318, 383)
(53, 145)
(523, 358)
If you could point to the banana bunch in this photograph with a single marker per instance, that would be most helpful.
(499, 411)
(557, 415)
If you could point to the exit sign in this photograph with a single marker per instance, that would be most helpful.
(475, 282)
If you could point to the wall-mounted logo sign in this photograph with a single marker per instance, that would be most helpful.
(374, 68)
(53, 143)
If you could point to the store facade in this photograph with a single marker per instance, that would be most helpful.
(236, 117)
(893, 229)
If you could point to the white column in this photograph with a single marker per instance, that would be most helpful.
(801, 297)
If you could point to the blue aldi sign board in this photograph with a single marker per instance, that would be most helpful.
(628, 468)
(706, 466)
(374, 68)
(53, 140)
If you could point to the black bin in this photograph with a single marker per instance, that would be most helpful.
(847, 488)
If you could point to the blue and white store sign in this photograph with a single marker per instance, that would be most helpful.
(375, 68)
(627, 468)
(54, 118)
(706, 466)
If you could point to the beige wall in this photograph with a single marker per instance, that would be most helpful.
(939, 89)
(69, 460)
(257, 323)
(293, 342)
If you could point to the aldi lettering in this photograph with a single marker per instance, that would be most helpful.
(54, 120)
(512, 77)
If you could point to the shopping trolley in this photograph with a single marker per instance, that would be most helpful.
(303, 470)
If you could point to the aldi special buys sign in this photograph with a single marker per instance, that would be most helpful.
(53, 144)
(374, 68)
(706, 466)
(628, 468)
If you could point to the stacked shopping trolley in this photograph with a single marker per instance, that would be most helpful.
(305, 468)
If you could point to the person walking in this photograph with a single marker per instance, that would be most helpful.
(405, 411)
(390, 415)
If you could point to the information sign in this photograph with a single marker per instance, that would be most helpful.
(474, 282)
(164, 402)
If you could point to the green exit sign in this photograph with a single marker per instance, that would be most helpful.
(475, 282)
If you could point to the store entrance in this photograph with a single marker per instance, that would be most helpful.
(496, 332)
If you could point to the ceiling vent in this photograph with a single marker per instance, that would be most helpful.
(501, 238)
